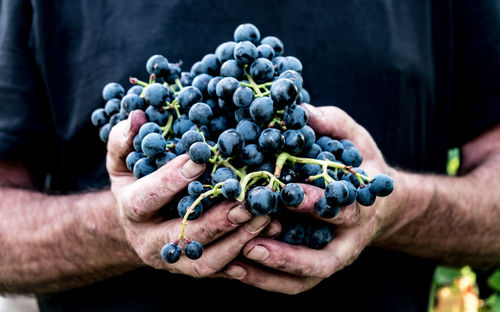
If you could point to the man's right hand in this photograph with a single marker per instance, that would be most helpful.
(139, 200)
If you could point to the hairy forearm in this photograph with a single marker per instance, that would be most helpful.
(453, 219)
(53, 243)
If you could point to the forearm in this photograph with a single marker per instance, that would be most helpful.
(53, 243)
(454, 219)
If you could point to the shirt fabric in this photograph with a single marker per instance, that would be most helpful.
(421, 76)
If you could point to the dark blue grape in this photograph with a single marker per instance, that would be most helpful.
(137, 143)
(283, 92)
(326, 210)
(136, 89)
(218, 124)
(267, 166)
(132, 158)
(112, 107)
(195, 188)
(172, 74)
(147, 128)
(262, 70)
(171, 253)
(275, 43)
(222, 174)
(292, 195)
(251, 155)
(382, 185)
(347, 143)
(261, 200)
(199, 153)
(247, 32)
(309, 137)
(226, 88)
(287, 175)
(155, 95)
(158, 65)
(185, 203)
(294, 141)
(231, 188)
(210, 64)
(265, 51)
(249, 130)
(304, 96)
(112, 90)
(351, 198)
(295, 77)
(292, 232)
(329, 145)
(262, 109)
(153, 145)
(196, 69)
(230, 143)
(201, 82)
(271, 140)
(132, 102)
(104, 132)
(99, 117)
(190, 137)
(243, 97)
(159, 117)
(352, 157)
(326, 156)
(232, 68)
(200, 114)
(225, 51)
(290, 63)
(193, 250)
(182, 125)
(212, 84)
(245, 52)
(336, 193)
(143, 167)
(313, 152)
(295, 117)
(320, 236)
(188, 96)
(186, 78)
(242, 113)
(164, 158)
(364, 196)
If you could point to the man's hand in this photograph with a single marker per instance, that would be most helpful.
(294, 269)
(139, 201)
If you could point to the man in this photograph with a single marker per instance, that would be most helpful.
(420, 77)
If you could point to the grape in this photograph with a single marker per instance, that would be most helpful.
(292, 195)
(210, 64)
(212, 84)
(352, 157)
(364, 196)
(247, 32)
(271, 140)
(224, 51)
(313, 152)
(293, 232)
(226, 88)
(190, 137)
(158, 65)
(231, 68)
(112, 90)
(171, 253)
(104, 132)
(193, 250)
(304, 96)
(137, 90)
(164, 158)
(153, 145)
(265, 51)
(262, 70)
(309, 137)
(181, 125)
(351, 198)
(262, 109)
(295, 117)
(382, 185)
(283, 92)
(251, 155)
(290, 63)
(143, 167)
(294, 141)
(230, 143)
(201, 82)
(200, 114)
(245, 52)
(243, 97)
(231, 188)
(249, 130)
(188, 96)
(274, 43)
(112, 107)
(336, 193)
(261, 200)
(326, 156)
(131, 102)
(155, 95)
(199, 153)
(185, 203)
(196, 69)
(195, 188)
(320, 236)
(147, 128)
(132, 158)
(222, 174)
(156, 116)
(325, 210)
(99, 117)
(186, 78)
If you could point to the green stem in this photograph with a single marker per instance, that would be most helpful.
(263, 94)
(253, 85)
(252, 178)
(138, 82)
(168, 126)
(179, 84)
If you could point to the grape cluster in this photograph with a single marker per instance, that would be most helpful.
(237, 110)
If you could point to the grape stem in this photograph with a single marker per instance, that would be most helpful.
(166, 129)
(179, 84)
(284, 157)
(253, 177)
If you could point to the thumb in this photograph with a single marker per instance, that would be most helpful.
(120, 142)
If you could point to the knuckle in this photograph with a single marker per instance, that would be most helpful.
(202, 269)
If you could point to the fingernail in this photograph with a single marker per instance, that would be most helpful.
(257, 223)
(314, 111)
(258, 253)
(238, 215)
(236, 271)
(190, 169)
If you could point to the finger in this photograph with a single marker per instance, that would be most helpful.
(334, 122)
(269, 280)
(272, 230)
(346, 215)
(145, 196)
(222, 251)
(120, 142)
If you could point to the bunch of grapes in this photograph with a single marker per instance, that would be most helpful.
(237, 111)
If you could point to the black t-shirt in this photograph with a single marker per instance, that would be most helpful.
(421, 76)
